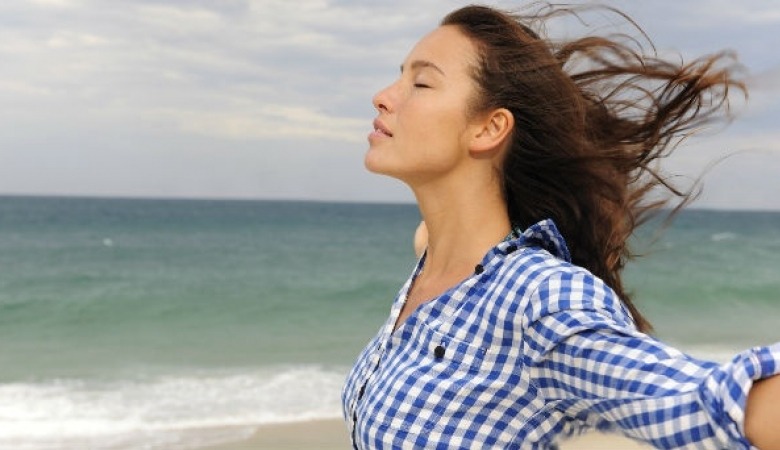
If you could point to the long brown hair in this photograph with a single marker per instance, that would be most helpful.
(593, 118)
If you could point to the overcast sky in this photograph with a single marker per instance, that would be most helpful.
(271, 99)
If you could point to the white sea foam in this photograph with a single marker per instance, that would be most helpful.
(724, 236)
(171, 412)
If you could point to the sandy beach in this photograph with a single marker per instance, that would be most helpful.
(332, 435)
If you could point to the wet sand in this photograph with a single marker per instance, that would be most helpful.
(332, 435)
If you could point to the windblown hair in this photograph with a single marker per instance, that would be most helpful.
(593, 118)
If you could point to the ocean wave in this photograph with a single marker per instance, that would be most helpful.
(724, 236)
(172, 412)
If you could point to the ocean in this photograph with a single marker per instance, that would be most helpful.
(169, 324)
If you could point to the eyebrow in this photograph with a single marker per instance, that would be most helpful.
(423, 64)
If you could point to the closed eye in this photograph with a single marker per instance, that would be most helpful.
(421, 85)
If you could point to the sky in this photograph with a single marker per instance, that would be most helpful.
(271, 99)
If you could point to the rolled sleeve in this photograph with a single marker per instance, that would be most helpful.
(738, 376)
(590, 364)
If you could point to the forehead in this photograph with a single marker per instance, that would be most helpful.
(446, 47)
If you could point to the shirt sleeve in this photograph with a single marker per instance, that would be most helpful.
(589, 363)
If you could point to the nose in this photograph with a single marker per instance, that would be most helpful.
(383, 99)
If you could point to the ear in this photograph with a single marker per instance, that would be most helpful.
(491, 131)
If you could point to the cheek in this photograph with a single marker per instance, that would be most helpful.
(429, 120)
(441, 130)
(440, 149)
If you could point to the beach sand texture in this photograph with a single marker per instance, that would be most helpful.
(332, 435)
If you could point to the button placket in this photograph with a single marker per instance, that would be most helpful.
(370, 371)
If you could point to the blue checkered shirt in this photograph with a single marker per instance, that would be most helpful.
(529, 350)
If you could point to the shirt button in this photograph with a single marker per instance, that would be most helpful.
(438, 352)
(479, 269)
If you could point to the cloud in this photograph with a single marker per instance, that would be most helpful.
(706, 14)
(57, 3)
(723, 149)
(292, 67)
(766, 81)
(189, 86)
(265, 121)
(724, 12)
(71, 39)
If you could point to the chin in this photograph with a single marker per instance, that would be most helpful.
(382, 163)
(373, 163)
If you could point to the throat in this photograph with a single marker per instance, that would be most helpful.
(425, 289)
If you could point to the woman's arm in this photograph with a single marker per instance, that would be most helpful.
(762, 414)
(586, 358)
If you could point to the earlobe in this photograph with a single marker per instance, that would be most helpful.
(493, 131)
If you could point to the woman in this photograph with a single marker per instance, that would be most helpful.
(514, 329)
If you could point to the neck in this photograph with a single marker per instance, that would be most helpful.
(463, 222)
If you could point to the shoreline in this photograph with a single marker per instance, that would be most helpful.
(331, 434)
(319, 434)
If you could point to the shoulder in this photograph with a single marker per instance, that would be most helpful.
(536, 279)
(551, 285)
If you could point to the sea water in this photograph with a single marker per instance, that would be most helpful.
(130, 323)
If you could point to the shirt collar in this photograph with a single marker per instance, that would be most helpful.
(543, 234)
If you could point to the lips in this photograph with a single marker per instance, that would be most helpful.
(379, 127)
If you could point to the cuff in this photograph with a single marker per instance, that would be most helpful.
(744, 369)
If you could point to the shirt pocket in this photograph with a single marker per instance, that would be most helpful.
(432, 377)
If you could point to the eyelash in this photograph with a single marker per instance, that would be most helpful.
(421, 85)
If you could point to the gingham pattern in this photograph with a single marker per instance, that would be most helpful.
(531, 349)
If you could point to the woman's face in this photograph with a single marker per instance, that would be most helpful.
(421, 130)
